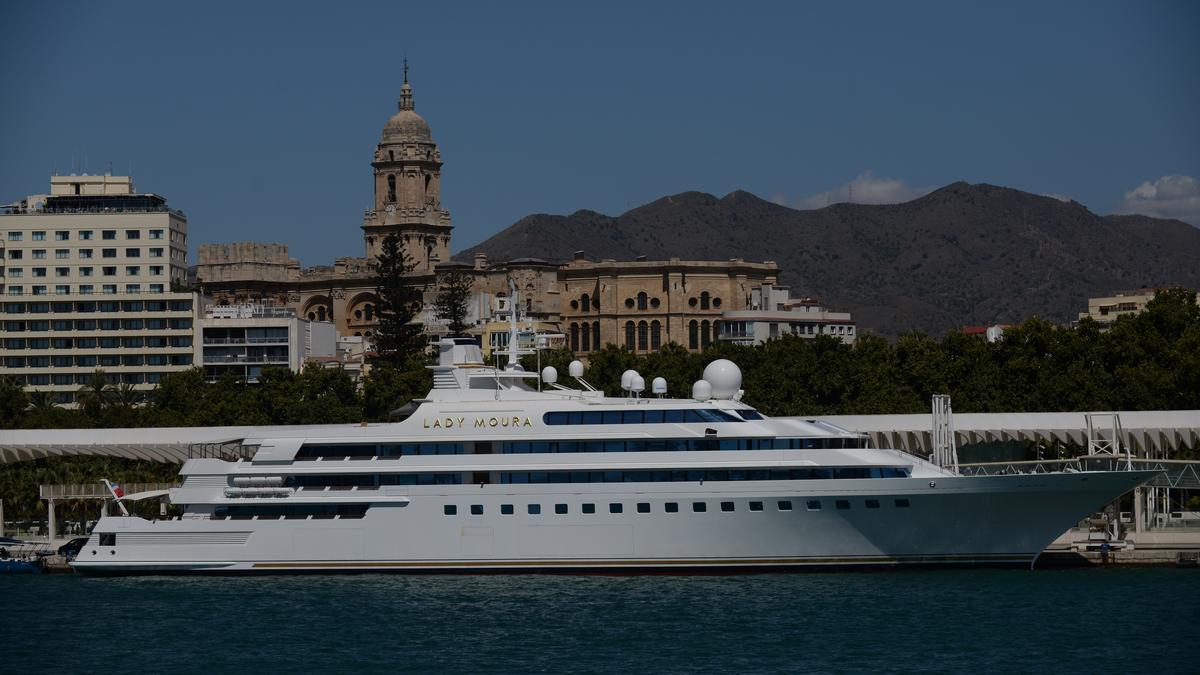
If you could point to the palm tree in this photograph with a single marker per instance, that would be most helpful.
(96, 395)
(125, 396)
(41, 402)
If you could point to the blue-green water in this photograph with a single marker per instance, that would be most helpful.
(1092, 620)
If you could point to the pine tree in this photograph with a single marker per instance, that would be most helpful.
(454, 294)
(398, 336)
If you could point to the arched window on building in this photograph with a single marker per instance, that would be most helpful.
(704, 300)
(693, 335)
(321, 313)
(641, 301)
(587, 339)
(370, 310)
(643, 336)
(391, 188)
(585, 302)
(629, 334)
(716, 333)
(705, 335)
(596, 334)
(655, 335)
(574, 337)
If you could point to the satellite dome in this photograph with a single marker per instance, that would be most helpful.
(702, 390)
(658, 386)
(575, 369)
(549, 375)
(637, 384)
(725, 378)
(627, 379)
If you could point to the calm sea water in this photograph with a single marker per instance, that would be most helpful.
(1092, 620)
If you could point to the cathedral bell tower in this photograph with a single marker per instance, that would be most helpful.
(408, 175)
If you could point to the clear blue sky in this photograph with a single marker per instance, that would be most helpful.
(260, 119)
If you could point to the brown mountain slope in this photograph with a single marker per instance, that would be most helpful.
(964, 254)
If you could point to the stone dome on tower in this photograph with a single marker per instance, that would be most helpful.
(406, 126)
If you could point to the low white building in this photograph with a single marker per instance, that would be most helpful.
(244, 339)
(774, 313)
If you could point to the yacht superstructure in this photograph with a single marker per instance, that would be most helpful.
(499, 469)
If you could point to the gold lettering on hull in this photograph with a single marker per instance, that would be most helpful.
(443, 423)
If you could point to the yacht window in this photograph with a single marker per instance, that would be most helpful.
(699, 507)
(534, 509)
(756, 506)
(872, 503)
(506, 509)
(449, 509)
(671, 507)
(614, 508)
(108, 538)
(750, 414)
(643, 507)
(902, 503)
(814, 505)
(842, 504)
(477, 509)
(785, 505)
(727, 506)
(560, 509)
(589, 508)
(694, 415)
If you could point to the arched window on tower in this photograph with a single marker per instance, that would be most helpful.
(655, 335)
(596, 334)
(370, 310)
(629, 329)
(693, 335)
(585, 302)
(391, 188)
(391, 155)
(643, 336)
(641, 300)
(705, 334)
(704, 300)
(321, 313)
(587, 339)
(574, 337)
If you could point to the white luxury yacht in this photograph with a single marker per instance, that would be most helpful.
(499, 469)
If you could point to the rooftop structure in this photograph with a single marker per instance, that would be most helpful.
(245, 339)
(772, 313)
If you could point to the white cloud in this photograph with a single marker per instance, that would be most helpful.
(1167, 197)
(1059, 197)
(866, 189)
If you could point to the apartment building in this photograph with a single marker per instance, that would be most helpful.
(86, 276)
(772, 313)
(245, 339)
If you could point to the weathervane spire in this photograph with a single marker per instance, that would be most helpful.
(406, 97)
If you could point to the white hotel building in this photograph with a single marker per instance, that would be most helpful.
(85, 285)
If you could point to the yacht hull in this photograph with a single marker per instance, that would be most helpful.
(765, 526)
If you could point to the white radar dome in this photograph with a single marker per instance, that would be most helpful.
(627, 379)
(549, 375)
(658, 386)
(575, 369)
(725, 378)
(638, 384)
(701, 390)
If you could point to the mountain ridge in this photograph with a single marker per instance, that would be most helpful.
(962, 254)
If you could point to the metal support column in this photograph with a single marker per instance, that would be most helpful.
(945, 446)
(52, 522)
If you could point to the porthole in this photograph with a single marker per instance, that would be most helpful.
(716, 302)
(655, 302)
(692, 302)
(629, 303)
(574, 304)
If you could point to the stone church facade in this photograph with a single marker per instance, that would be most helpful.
(407, 168)
(640, 304)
